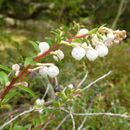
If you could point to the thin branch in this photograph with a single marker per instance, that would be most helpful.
(65, 118)
(46, 91)
(56, 81)
(83, 80)
(8, 122)
(92, 83)
(44, 127)
(85, 118)
(90, 114)
(73, 121)
(101, 114)
(50, 118)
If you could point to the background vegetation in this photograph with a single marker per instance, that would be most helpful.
(23, 20)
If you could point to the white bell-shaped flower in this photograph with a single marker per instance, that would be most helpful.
(78, 53)
(95, 40)
(15, 67)
(82, 31)
(44, 46)
(43, 71)
(102, 50)
(53, 71)
(59, 54)
(71, 86)
(110, 37)
(91, 54)
(40, 102)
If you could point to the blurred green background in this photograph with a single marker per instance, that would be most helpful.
(23, 20)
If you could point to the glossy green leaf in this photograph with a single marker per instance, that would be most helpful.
(28, 61)
(5, 68)
(35, 45)
(93, 31)
(27, 90)
(9, 96)
(76, 41)
(3, 78)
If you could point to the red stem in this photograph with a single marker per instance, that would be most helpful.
(50, 118)
(7, 89)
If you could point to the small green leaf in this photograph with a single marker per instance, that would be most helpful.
(27, 90)
(5, 68)
(18, 128)
(99, 36)
(101, 26)
(76, 41)
(50, 41)
(28, 61)
(3, 78)
(45, 108)
(38, 42)
(56, 104)
(62, 95)
(35, 45)
(9, 96)
(93, 31)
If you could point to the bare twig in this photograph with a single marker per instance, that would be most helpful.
(65, 118)
(90, 114)
(101, 114)
(44, 127)
(102, 77)
(83, 80)
(50, 92)
(56, 81)
(48, 86)
(23, 113)
(50, 118)
(73, 121)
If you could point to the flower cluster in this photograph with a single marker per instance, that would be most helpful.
(52, 71)
(40, 102)
(95, 45)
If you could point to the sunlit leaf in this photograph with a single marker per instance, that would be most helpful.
(35, 45)
(27, 90)
(3, 78)
(9, 96)
(5, 68)
(28, 61)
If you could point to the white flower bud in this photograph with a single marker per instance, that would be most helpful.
(15, 67)
(53, 71)
(40, 102)
(59, 54)
(116, 41)
(44, 46)
(78, 53)
(110, 36)
(91, 54)
(55, 58)
(43, 71)
(104, 38)
(82, 31)
(84, 44)
(71, 86)
(102, 50)
(95, 40)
